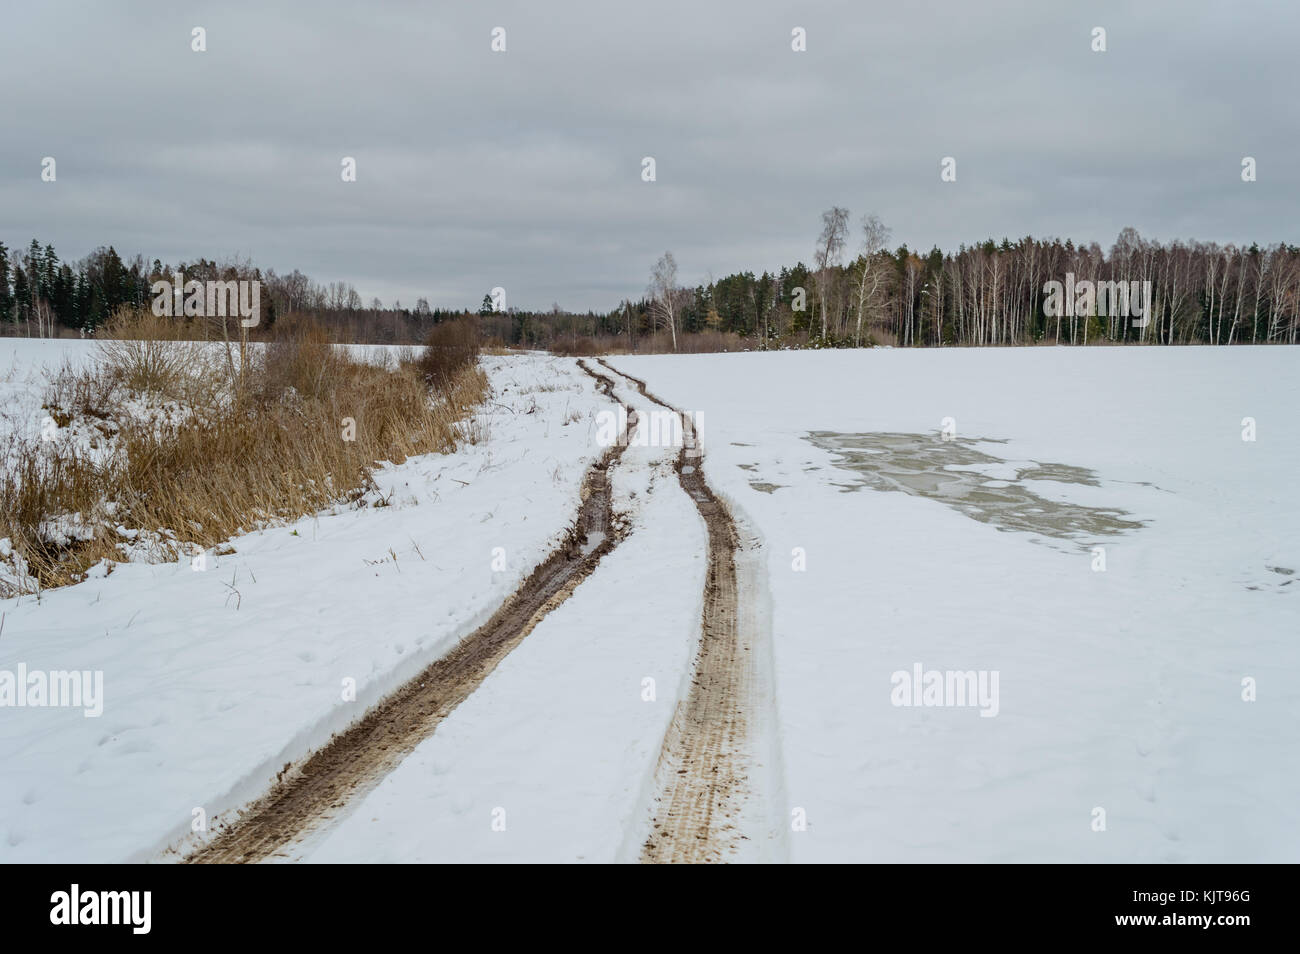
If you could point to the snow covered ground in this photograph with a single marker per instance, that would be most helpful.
(552, 759)
(1119, 690)
(213, 680)
(1094, 534)
(24, 363)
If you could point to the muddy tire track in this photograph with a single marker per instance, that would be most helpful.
(703, 776)
(304, 798)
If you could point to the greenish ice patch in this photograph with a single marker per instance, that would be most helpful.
(924, 465)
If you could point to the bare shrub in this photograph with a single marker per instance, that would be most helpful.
(148, 353)
(301, 356)
(450, 347)
(580, 347)
(661, 342)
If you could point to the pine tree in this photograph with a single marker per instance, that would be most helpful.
(35, 267)
(6, 296)
(63, 297)
(49, 268)
(22, 296)
(81, 301)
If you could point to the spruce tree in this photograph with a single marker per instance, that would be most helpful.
(22, 296)
(49, 269)
(35, 267)
(6, 296)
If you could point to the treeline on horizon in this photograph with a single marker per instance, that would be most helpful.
(853, 294)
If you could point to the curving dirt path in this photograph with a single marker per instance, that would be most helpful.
(704, 775)
(304, 798)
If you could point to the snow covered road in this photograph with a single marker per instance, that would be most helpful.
(553, 759)
(215, 680)
(999, 605)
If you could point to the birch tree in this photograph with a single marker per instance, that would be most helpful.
(830, 246)
(663, 294)
(872, 273)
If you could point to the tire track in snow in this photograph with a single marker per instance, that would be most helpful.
(705, 803)
(306, 797)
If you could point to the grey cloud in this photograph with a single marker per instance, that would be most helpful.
(523, 169)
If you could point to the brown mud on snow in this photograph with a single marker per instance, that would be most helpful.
(304, 798)
(703, 773)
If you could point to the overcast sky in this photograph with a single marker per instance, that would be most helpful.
(523, 169)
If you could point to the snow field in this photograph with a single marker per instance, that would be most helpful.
(1120, 690)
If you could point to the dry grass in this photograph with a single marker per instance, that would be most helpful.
(450, 347)
(72, 394)
(148, 353)
(296, 430)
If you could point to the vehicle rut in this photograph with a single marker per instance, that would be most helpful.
(703, 775)
(306, 797)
